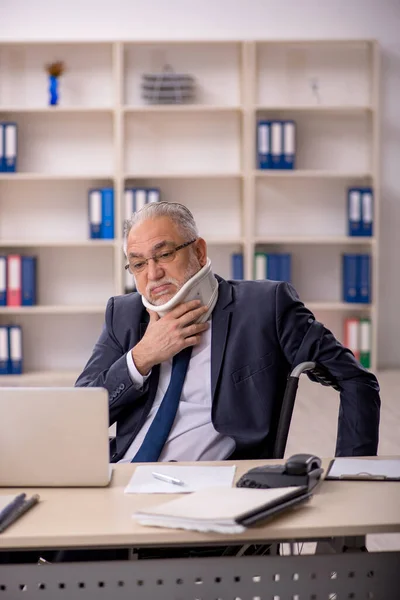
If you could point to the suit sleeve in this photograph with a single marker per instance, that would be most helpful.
(107, 367)
(303, 338)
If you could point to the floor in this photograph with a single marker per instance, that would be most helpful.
(313, 429)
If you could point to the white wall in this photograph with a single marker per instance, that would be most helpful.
(250, 19)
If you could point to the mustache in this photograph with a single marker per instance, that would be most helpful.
(164, 281)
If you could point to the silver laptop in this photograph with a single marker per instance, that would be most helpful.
(54, 437)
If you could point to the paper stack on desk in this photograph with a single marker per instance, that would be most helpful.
(221, 510)
(193, 478)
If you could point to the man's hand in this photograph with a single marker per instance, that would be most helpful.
(169, 335)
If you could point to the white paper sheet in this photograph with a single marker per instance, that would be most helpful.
(194, 478)
(202, 527)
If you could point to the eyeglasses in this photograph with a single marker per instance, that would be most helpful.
(165, 256)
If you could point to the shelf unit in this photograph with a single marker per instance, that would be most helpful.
(201, 154)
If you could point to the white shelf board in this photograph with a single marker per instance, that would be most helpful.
(56, 109)
(181, 42)
(307, 173)
(208, 175)
(52, 310)
(311, 240)
(40, 378)
(338, 306)
(223, 241)
(177, 108)
(56, 42)
(59, 243)
(318, 108)
(54, 176)
(315, 42)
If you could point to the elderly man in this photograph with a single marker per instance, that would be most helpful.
(196, 366)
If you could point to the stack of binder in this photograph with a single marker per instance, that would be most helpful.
(137, 197)
(360, 211)
(18, 280)
(101, 213)
(357, 337)
(8, 147)
(276, 144)
(10, 350)
(357, 278)
(277, 267)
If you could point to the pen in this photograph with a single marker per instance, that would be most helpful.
(22, 509)
(168, 479)
(10, 508)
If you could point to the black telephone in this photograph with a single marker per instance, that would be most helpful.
(299, 469)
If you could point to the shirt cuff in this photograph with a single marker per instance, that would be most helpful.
(138, 380)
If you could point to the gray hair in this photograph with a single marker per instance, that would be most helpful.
(178, 213)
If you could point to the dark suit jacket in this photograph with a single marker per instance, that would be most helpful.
(260, 330)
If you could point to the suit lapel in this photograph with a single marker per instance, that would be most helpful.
(142, 330)
(144, 321)
(221, 318)
(155, 371)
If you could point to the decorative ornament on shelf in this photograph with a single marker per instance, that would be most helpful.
(168, 87)
(54, 70)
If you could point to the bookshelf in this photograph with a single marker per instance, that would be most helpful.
(201, 154)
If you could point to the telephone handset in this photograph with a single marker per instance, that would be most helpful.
(299, 469)
(202, 286)
(301, 464)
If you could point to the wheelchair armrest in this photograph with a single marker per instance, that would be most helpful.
(317, 373)
(323, 376)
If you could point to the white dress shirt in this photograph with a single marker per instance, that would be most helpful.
(192, 436)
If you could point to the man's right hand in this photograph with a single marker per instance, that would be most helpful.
(169, 335)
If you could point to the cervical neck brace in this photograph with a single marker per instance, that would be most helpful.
(202, 286)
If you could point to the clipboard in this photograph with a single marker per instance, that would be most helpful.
(363, 469)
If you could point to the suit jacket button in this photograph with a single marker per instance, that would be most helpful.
(310, 320)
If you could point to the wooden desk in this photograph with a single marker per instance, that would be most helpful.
(82, 517)
(102, 517)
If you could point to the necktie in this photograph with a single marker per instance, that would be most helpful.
(160, 428)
